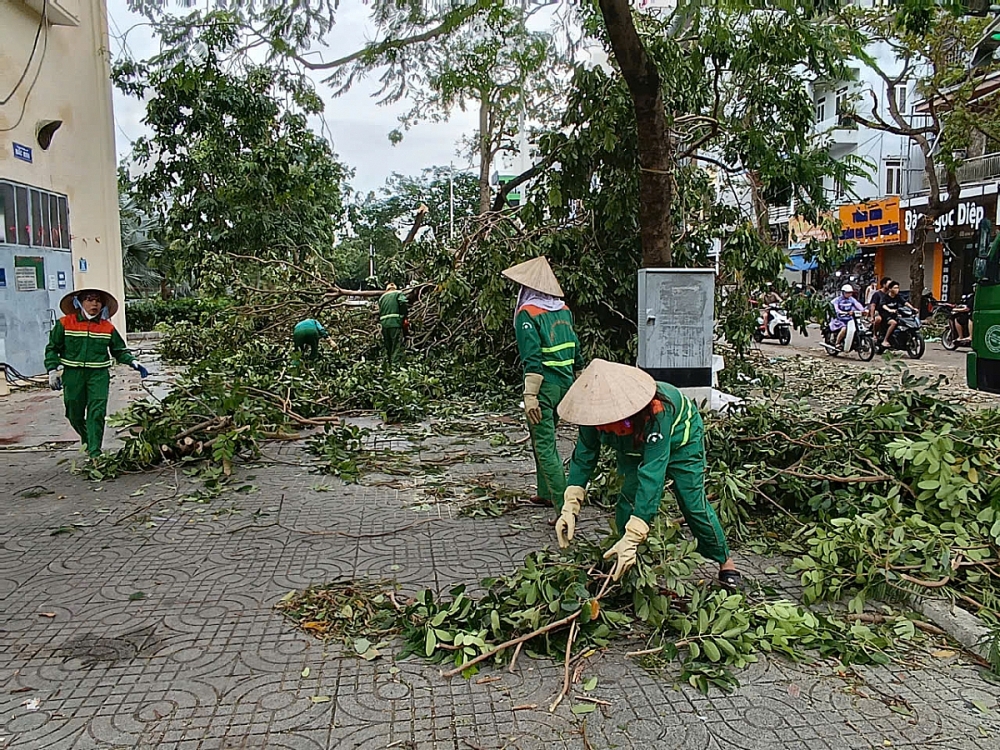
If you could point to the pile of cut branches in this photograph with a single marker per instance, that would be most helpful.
(558, 606)
(894, 495)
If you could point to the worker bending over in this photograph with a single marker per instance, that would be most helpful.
(657, 434)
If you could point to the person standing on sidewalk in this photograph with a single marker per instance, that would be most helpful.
(86, 345)
(550, 354)
(657, 434)
(393, 308)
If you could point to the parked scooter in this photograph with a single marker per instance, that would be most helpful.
(858, 338)
(906, 337)
(778, 326)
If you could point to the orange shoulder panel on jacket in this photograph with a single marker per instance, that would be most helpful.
(73, 323)
(535, 310)
(657, 406)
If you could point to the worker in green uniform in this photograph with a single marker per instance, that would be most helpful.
(307, 335)
(550, 354)
(393, 308)
(657, 434)
(85, 343)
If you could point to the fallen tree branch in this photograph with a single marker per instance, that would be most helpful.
(569, 650)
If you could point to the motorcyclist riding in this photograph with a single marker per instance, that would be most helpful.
(890, 309)
(963, 318)
(844, 307)
(874, 304)
(770, 297)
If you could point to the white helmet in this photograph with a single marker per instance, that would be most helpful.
(847, 288)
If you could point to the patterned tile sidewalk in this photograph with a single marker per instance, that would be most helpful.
(155, 628)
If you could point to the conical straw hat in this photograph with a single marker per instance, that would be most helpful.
(535, 274)
(606, 392)
(66, 303)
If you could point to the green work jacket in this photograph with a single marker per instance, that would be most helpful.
(547, 344)
(392, 309)
(643, 466)
(309, 326)
(77, 342)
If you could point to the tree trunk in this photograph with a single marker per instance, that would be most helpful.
(917, 258)
(485, 152)
(654, 140)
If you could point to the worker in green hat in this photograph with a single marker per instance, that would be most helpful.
(85, 344)
(393, 308)
(306, 336)
(657, 434)
(550, 354)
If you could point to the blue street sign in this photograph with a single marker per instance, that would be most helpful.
(61, 278)
(22, 152)
(82, 265)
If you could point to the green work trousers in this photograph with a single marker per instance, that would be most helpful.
(549, 472)
(85, 393)
(393, 340)
(687, 469)
(307, 340)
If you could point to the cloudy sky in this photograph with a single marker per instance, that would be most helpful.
(358, 125)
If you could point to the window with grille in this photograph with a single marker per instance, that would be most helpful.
(33, 217)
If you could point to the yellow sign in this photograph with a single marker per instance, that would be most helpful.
(872, 223)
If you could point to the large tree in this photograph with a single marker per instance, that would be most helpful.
(230, 165)
(723, 84)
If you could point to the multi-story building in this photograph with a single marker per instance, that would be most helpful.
(879, 211)
(58, 187)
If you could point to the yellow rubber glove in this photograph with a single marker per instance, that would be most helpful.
(566, 525)
(636, 531)
(532, 385)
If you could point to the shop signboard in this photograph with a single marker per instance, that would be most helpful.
(801, 232)
(960, 223)
(872, 223)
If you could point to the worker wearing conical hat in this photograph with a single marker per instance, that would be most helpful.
(85, 344)
(550, 354)
(658, 435)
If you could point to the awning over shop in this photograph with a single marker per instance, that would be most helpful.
(798, 262)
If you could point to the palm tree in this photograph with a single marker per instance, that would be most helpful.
(140, 247)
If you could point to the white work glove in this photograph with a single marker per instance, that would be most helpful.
(636, 531)
(532, 410)
(566, 525)
(55, 380)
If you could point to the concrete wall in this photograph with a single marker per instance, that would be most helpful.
(70, 77)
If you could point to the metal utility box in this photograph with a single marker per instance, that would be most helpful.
(676, 316)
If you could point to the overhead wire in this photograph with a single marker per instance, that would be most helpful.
(34, 80)
(31, 57)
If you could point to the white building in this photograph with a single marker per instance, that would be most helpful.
(59, 226)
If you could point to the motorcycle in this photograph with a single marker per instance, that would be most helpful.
(958, 319)
(778, 326)
(906, 337)
(858, 338)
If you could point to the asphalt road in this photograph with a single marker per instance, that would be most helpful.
(936, 359)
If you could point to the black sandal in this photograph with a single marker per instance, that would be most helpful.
(731, 579)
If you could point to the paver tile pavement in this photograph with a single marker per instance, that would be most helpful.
(157, 630)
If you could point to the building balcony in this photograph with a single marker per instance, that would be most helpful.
(842, 130)
(977, 169)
